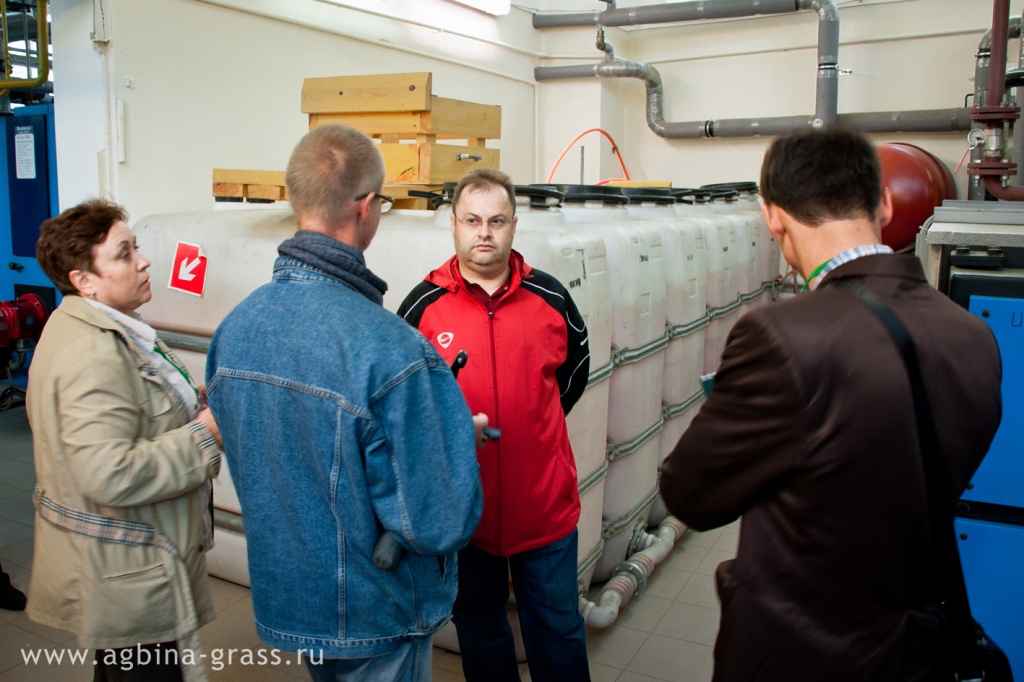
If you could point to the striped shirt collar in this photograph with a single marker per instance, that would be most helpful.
(849, 255)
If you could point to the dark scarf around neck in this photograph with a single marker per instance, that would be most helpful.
(336, 259)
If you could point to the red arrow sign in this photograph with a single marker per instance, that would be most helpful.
(188, 269)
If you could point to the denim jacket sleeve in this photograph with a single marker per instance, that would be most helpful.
(421, 465)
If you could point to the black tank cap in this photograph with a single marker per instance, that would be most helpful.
(699, 194)
(541, 196)
(581, 193)
(738, 186)
(658, 195)
(724, 194)
(436, 198)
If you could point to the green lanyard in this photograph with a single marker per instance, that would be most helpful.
(815, 273)
(181, 370)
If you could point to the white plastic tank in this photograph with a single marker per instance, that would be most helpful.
(685, 288)
(769, 258)
(409, 244)
(637, 271)
(677, 420)
(240, 247)
(686, 315)
(747, 273)
(580, 262)
(722, 300)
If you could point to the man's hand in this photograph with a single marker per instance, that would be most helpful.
(479, 424)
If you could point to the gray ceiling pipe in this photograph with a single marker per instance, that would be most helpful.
(667, 13)
(826, 94)
(918, 121)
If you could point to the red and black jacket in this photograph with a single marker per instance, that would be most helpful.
(528, 365)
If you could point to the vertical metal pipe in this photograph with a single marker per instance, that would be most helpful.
(5, 108)
(24, 32)
(826, 95)
(982, 64)
(1000, 36)
(1018, 129)
(826, 98)
(996, 89)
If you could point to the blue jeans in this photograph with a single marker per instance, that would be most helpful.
(547, 599)
(410, 662)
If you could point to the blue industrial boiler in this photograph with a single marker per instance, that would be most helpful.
(974, 252)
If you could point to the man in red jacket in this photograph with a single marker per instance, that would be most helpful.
(528, 365)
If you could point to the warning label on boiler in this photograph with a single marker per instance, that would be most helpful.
(25, 153)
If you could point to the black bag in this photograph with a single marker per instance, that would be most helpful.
(966, 653)
(975, 658)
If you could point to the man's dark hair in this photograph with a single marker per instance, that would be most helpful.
(820, 175)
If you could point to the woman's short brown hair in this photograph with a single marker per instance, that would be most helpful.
(66, 242)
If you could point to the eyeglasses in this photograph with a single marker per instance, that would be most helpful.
(386, 202)
(495, 223)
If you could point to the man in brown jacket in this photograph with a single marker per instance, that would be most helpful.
(809, 435)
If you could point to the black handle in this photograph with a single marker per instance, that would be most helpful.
(459, 362)
(387, 552)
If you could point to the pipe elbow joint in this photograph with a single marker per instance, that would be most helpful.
(826, 9)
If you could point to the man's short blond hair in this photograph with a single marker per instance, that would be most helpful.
(483, 178)
(329, 168)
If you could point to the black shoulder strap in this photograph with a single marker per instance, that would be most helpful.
(949, 579)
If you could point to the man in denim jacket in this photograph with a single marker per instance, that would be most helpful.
(341, 422)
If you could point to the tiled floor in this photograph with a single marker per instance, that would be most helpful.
(666, 633)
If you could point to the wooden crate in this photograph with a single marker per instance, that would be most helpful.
(431, 163)
(249, 184)
(270, 185)
(399, 110)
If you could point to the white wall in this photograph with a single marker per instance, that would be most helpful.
(915, 54)
(80, 106)
(216, 83)
(204, 86)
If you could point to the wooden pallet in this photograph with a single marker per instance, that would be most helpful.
(249, 184)
(270, 186)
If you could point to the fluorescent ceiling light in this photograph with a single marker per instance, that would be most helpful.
(489, 6)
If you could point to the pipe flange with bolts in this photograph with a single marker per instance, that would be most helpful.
(636, 537)
(634, 570)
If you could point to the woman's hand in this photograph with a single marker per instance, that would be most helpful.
(206, 417)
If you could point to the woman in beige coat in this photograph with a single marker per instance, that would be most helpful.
(124, 452)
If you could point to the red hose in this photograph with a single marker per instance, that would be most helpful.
(615, 148)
